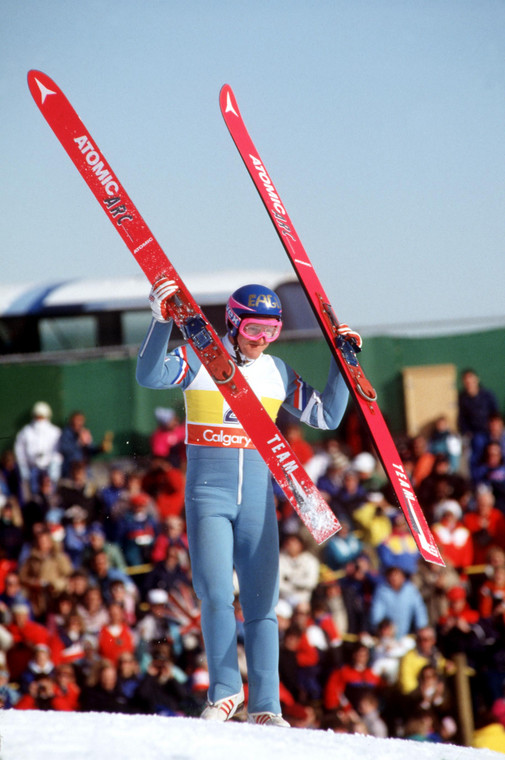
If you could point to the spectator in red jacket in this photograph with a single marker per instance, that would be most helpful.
(492, 594)
(453, 538)
(26, 635)
(43, 695)
(66, 686)
(486, 524)
(115, 637)
(165, 484)
(347, 683)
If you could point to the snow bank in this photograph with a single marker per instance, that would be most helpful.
(37, 735)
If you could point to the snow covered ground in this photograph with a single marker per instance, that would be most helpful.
(38, 735)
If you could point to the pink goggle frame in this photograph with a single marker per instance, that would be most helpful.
(255, 329)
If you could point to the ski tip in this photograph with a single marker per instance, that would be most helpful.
(435, 559)
(227, 101)
(33, 74)
(40, 86)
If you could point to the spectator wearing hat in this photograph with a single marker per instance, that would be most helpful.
(76, 534)
(156, 625)
(39, 664)
(137, 530)
(486, 525)
(283, 613)
(76, 443)
(398, 599)
(26, 634)
(36, 449)
(199, 682)
(453, 538)
(365, 464)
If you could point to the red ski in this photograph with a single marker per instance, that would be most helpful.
(359, 386)
(105, 186)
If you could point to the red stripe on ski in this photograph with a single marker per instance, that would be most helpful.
(359, 387)
(113, 199)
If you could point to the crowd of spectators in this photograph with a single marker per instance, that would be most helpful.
(97, 610)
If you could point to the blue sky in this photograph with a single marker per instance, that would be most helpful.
(381, 122)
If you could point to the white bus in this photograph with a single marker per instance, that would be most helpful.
(100, 317)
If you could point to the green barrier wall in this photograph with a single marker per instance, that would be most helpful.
(108, 394)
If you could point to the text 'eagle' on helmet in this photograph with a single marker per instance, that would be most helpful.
(251, 301)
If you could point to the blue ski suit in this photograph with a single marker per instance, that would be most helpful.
(230, 509)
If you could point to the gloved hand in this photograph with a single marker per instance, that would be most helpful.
(160, 293)
(345, 332)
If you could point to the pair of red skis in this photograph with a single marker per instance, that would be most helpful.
(271, 444)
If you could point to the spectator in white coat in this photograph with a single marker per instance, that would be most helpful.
(36, 450)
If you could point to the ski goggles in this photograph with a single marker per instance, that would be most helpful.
(255, 329)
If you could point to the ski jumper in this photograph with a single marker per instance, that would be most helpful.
(230, 509)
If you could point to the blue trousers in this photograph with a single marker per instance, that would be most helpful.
(231, 523)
